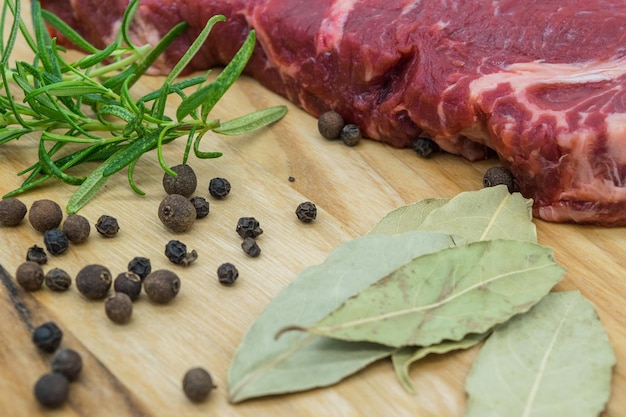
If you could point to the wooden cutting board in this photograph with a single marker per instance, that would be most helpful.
(136, 369)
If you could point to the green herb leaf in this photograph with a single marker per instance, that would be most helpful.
(445, 295)
(298, 361)
(555, 360)
(252, 121)
(408, 217)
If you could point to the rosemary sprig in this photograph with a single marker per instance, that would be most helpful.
(88, 102)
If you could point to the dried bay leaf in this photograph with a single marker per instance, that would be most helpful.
(298, 361)
(555, 360)
(408, 217)
(445, 295)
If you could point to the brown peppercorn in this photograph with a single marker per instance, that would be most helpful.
(45, 215)
(119, 308)
(350, 135)
(94, 281)
(227, 274)
(499, 175)
(58, 280)
(330, 124)
(67, 362)
(30, 276)
(76, 228)
(37, 254)
(250, 247)
(161, 286)
(177, 213)
(306, 212)
(197, 384)
(184, 183)
(51, 390)
(248, 227)
(12, 211)
(128, 283)
(107, 226)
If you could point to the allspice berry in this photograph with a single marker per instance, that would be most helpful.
(198, 384)
(58, 279)
(45, 215)
(161, 286)
(51, 390)
(76, 228)
(119, 308)
(184, 183)
(499, 175)
(107, 226)
(12, 211)
(350, 135)
(94, 281)
(177, 213)
(30, 276)
(330, 124)
(128, 283)
(67, 362)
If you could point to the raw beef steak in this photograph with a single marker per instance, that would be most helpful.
(541, 82)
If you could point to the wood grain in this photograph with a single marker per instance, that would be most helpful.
(136, 369)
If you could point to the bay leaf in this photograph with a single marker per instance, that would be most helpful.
(555, 360)
(445, 295)
(263, 365)
(403, 358)
(408, 217)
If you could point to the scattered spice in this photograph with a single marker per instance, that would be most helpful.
(140, 266)
(350, 135)
(424, 146)
(499, 175)
(176, 252)
(330, 124)
(58, 279)
(12, 211)
(30, 276)
(184, 183)
(77, 228)
(227, 273)
(306, 212)
(51, 390)
(201, 205)
(291, 179)
(248, 227)
(67, 362)
(128, 283)
(37, 254)
(107, 226)
(198, 384)
(94, 281)
(45, 215)
(219, 188)
(47, 337)
(250, 247)
(119, 308)
(56, 241)
(161, 286)
(177, 213)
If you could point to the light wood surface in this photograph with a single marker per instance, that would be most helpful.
(136, 369)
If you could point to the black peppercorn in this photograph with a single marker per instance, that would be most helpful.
(219, 187)
(47, 337)
(177, 213)
(45, 215)
(119, 308)
(176, 252)
(161, 286)
(350, 135)
(330, 124)
(291, 179)
(37, 254)
(56, 241)
(184, 183)
(128, 283)
(499, 176)
(67, 362)
(107, 226)
(58, 280)
(140, 266)
(201, 205)
(77, 228)
(30, 276)
(227, 273)
(248, 227)
(197, 384)
(250, 247)
(94, 281)
(51, 390)
(12, 211)
(424, 146)
(306, 212)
